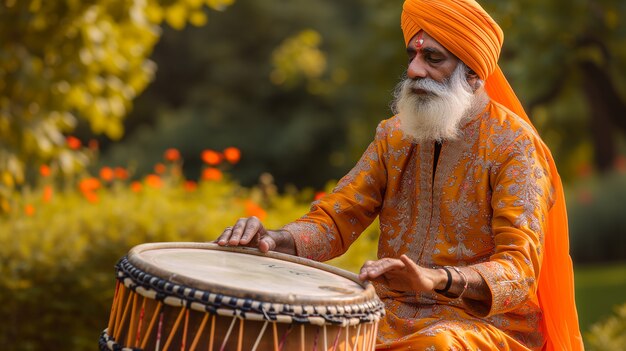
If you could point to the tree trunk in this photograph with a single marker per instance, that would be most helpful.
(608, 113)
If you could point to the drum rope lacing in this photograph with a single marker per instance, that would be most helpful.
(214, 303)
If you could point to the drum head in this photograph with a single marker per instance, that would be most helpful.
(247, 273)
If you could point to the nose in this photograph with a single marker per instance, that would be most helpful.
(416, 68)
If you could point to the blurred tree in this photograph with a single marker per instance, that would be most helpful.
(298, 88)
(567, 60)
(62, 61)
(306, 125)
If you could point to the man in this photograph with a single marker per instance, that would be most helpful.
(473, 251)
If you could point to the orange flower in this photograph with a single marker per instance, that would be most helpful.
(211, 173)
(154, 181)
(252, 209)
(232, 154)
(29, 210)
(190, 185)
(159, 168)
(172, 155)
(135, 186)
(44, 170)
(88, 187)
(89, 184)
(319, 195)
(91, 197)
(211, 157)
(107, 174)
(47, 193)
(120, 173)
(73, 142)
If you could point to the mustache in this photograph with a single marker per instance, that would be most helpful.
(429, 85)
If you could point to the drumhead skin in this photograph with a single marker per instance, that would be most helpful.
(247, 273)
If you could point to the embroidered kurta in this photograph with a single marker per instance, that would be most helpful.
(484, 205)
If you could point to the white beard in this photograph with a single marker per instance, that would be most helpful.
(437, 115)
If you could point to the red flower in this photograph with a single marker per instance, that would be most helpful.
(252, 209)
(89, 185)
(120, 173)
(44, 170)
(47, 193)
(29, 210)
(212, 174)
(73, 142)
(159, 168)
(135, 187)
(154, 181)
(91, 197)
(107, 174)
(211, 157)
(171, 155)
(190, 185)
(232, 154)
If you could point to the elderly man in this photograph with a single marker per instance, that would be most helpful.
(473, 250)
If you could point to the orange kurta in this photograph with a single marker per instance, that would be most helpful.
(484, 207)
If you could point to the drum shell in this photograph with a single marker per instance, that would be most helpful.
(140, 314)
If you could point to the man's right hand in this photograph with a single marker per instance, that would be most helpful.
(251, 232)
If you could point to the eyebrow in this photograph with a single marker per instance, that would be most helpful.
(428, 50)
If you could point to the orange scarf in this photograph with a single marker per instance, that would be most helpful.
(467, 31)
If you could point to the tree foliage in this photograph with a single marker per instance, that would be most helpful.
(567, 61)
(62, 61)
(299, 88)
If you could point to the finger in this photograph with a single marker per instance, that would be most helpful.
(253, 227)
(223, 238)
(267, 243)
(380, 267)
(409, 264)
(237, 231)
(364, 269)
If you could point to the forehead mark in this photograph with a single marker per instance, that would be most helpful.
(419, 41)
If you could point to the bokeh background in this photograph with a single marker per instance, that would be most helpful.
(131, 121)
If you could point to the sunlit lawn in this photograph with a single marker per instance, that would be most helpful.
(598, 289)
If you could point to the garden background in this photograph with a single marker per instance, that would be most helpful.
(124, 122)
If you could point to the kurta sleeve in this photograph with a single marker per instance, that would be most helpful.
(337, 220)
(521, 197)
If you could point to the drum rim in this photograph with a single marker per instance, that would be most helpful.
(134, 257)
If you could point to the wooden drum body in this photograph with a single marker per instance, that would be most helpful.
(201, 296)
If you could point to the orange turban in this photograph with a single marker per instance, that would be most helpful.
(462, 27)
(467, 31)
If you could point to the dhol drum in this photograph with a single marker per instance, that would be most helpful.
(201, 296)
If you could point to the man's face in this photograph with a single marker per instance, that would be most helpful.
(428, 59)
(435, 96)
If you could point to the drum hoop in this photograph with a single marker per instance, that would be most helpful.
(147, 280)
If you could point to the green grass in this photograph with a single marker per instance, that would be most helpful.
(599, 288)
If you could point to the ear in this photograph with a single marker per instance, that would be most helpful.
(473, 80)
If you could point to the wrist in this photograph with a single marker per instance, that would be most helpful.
(285, 242)
(441, 279)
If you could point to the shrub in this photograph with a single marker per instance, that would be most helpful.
(60, 242)
(609, 334)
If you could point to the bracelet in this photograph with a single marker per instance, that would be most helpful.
(448, 284)
(465, 281)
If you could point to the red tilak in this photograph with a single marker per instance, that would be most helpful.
(419, 41)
